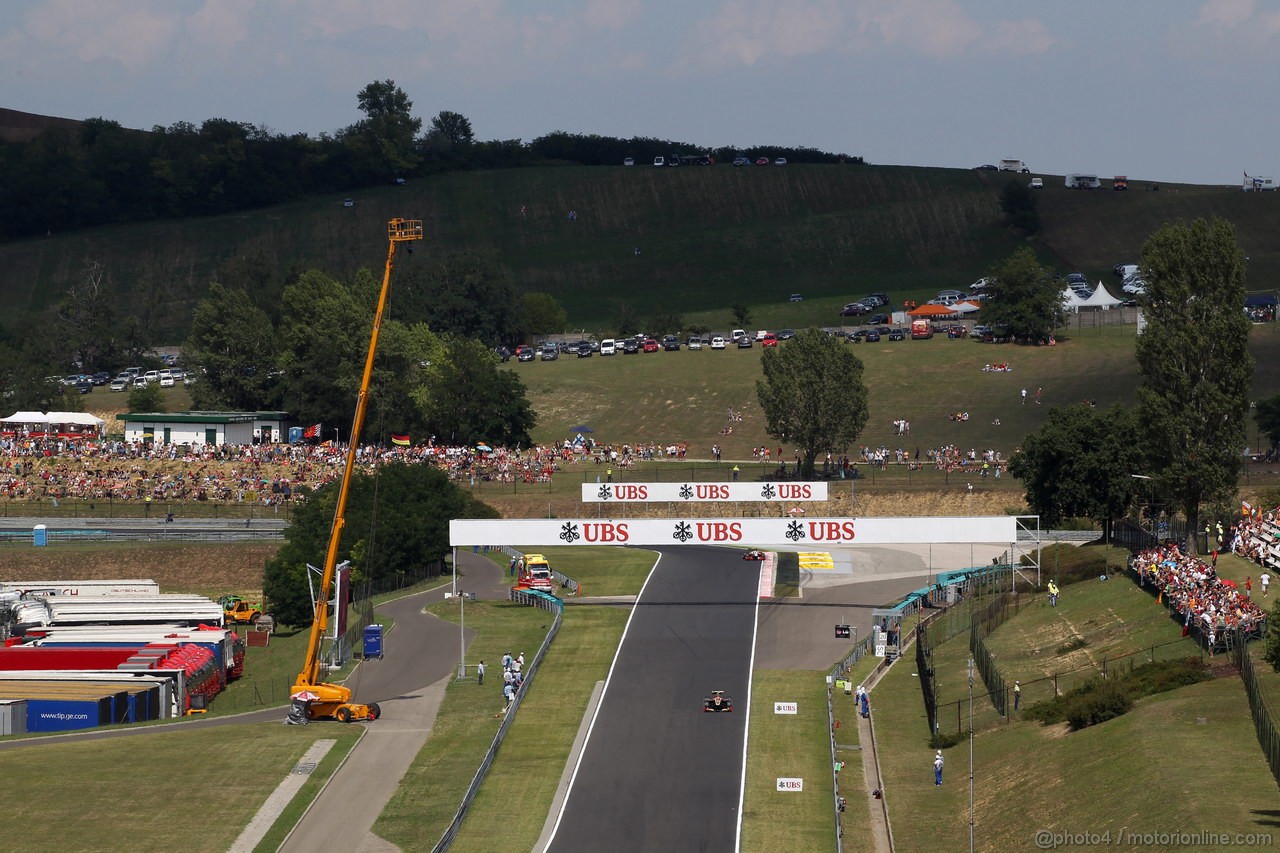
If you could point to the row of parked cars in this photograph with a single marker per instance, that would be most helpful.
(132, 377)
(634, 344)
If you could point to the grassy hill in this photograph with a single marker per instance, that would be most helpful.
(708, 237)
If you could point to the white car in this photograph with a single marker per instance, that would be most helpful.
(151, 376)
(120, 383)
(1134, 285)
(166, 381)
(659, 161)
(608, 347)
(1036, 183)
(717, 342)
(628, 161)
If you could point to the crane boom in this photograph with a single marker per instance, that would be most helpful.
(334, 700)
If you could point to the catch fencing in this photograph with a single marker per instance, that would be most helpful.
(533, 599)
(1264, 721)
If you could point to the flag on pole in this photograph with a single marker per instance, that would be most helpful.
(311, 432)
(402, 440)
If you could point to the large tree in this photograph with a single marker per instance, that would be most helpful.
(470, 398)
(1024, 298)
(812, 395)
(387, 133)
(1195, 363)
(1079, 464)
(540, 314)
(231, 352)
(397, 520)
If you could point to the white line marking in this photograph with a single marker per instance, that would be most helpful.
(746, 728)
(608, 680)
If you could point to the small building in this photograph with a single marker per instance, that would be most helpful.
(206, 427)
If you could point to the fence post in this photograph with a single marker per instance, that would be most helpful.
(1055, 684)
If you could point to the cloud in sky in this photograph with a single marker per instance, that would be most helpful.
(873, 77)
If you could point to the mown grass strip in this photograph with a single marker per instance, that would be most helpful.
(134, 792)
(789, 745)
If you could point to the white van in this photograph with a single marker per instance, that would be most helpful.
(737, 333)
(608, 347)
(659, 161)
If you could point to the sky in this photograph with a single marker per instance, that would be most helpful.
(1165, 90)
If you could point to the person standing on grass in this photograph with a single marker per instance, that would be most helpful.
(1265, 580)
(1024, 396)
(1053, 594)
(480, 672)
(937, 768)
(1248, 587)
(1017, 694)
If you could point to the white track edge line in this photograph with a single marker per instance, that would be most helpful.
(746, 728)
(568, 794)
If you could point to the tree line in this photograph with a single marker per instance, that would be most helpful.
(103, 173)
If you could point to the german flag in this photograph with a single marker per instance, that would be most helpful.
(402, 440)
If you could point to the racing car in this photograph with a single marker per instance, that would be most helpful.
(753, 554)
(717, 701)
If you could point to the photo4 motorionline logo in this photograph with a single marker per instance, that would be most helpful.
(1046, 839)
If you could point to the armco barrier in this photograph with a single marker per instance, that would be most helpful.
(533, 599)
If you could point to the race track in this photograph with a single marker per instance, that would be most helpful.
(658, 773)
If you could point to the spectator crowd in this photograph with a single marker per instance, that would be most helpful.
(1209, 607)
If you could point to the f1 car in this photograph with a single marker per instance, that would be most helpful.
(753, 554)
(717, 701)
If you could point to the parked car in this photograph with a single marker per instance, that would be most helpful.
(649, 345)
(854, 337)
(875, 300)
(781, 161)
(1077, 278)
(769, 340)
(524, 352)
(550, 352)
(83, 387)
(670, 343)
(584, 350)
(166, 381)
(608, 347)
(120, 383)
(795, 297)
(979, 331)
(1036, 184)
(987, 167)
(871, 336)
(879, 319)
(742, 161)
(348, 202)
(628, 161)
(694, 343)
(659, 161)
(897, 334)
(786, 334)
(745, 342)
(762, 161)
(717, 342)
(853, 309)
(630, 346)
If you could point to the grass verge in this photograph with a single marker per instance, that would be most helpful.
(786, 583)
(293, 812)
(148, 808)
(603, 569)
(433, 787)
(792, 745)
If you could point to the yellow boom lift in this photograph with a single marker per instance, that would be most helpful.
(334, 700)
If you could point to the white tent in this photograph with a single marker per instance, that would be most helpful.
(51, 424)
(1101, 298)
(965, 307)
(1071, 301)
(78, 418)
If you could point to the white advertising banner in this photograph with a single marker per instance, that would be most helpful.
(701, 492)
(743, 531)
(786, 708)
(790, 783)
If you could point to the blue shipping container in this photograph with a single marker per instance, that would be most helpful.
(60, 715)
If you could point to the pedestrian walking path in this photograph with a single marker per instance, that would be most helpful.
(409, 684)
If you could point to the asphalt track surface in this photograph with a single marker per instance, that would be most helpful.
(657, 772)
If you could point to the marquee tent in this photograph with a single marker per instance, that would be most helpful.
(931, 311)
(1071, 301)
(965, 308)
(51, 425)
(1101, 298)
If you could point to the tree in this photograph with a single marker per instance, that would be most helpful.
(453, 128)
(1078, 464)
(666, 323)
(1266, 415)
(1195, 363)
(231, 351)
(411, 505)
(470, 399)
(1021, 206)
(147, 398)
(812, 395)
(625, 320)
(741, 315)
(1024, 299)
(463, 293)
(389, 129)
(540, 314)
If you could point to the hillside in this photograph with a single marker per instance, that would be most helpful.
(708, 238)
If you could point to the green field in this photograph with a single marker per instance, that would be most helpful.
(668, 397)
(181, 790)
(708, 238)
